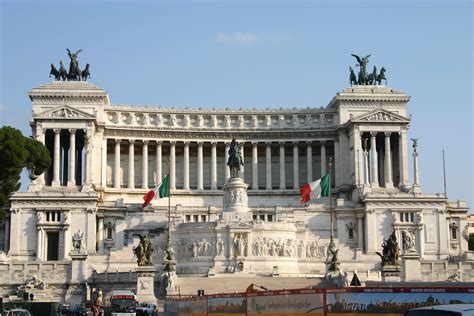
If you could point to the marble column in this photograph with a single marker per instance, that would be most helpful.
(388, 162)
(103, 177)
(145, 164)
(159, 170)
(200, 185)
(39, 244)
(268, 165)
(226, 157)
(57, 157)
(100, 237)
(282, 166)
(213, 166)
(186, 165)
(172, 166)
(403, 158)
(117, 164)
(131, 164)
(40, 136)
(374, 176)
(242, 168)
(323, 159)
(366, 167)
(254, 165)
(88, 158)
(72, 158)
(360, 232)
(309, 161)
(296, 167)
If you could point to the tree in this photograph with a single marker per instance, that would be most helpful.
(18, 152)
(471, 242)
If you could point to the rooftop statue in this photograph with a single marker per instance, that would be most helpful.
(75, 73)
(235, 159)
(363, 77)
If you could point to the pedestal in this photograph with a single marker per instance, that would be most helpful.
(77, 287)
(391, 273)
(411, 267)
(235, 196)
(146, 284)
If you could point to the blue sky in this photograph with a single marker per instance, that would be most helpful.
(256, 54)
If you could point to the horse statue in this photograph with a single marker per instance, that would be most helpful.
(85, 73)
(352, 76)
(235, 159)
(372, 77)
(381, 76)
(62, 71)
(55, 73)
(391, 252)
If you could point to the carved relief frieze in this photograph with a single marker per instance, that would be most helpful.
(195, 248)
(287, 247)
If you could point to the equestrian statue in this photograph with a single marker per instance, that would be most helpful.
(235, 160)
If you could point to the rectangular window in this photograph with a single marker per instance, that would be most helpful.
(254, 217)
(454, 233)
(47, 216)
(53, 246)
(412, 217)
(108, 233)
(262, 217)
(270, 218)
(203, 218)
(351, 233)
(187, 218)
(195, 218)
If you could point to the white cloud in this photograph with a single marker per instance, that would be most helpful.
(238, 38)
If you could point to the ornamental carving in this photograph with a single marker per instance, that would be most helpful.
(288, 247)
(197, 248)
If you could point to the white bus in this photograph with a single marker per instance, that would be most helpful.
(123, 303)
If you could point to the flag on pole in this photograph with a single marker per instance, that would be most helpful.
(162, 190)
(315, 190)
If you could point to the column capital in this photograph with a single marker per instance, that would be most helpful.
(72, 130)
(213, 143)
(282, 144)
(373, 134)
(295, 143)
(172, 142)
(56, 130)
(387, 134)
(254, 143)
(322, 142)
(131, 141)
(268, 144)
(117, 141)
(200, 143)
(159, 142)
(309, 143)
(145, 141)
(186, 143)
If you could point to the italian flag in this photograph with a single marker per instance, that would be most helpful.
(161, 191)
(315, 190)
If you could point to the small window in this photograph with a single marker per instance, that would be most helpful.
(108, 233)
(203, 218)
(262, 217)
(270, 218)
(454, 235)
(412, 217)
(47, 216)
(401, 217)
(351, 233)
(187, 218)
(195, 218)
(406, 217)
(255, 217)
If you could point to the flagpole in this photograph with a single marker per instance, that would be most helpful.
(444, 177)
(169, 197)
(330, 198)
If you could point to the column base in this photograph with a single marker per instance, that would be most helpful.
(389, 185)
(416, 188)
(88, 187)
(56, 184)
(35, 186)
(374, 185)
(71, 183)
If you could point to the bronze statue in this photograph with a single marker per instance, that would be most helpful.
(55, 73)
(390, 252)
(74, 72)
(85, 73)
(372, 77)
(62, 71)
(352, 76)
(381, 76)
(363, 61)
(235, 159)
(143, 251)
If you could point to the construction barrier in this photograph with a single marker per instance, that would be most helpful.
(324, 302)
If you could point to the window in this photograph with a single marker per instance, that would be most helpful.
(270, 218)
(108, 232)
(351, 233)
(203, 218)
(187, 218)
(454, 231)
(195, 218)
(262, 217)
(407, 217)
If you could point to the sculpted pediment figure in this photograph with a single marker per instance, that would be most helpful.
(65, 112)
(380, 115)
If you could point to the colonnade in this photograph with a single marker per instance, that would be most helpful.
(198, 148)
(69, 149)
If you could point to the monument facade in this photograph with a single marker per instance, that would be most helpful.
(237, 223)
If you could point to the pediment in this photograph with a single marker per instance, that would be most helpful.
(380, 115)
(240, 225)
(65, 112)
